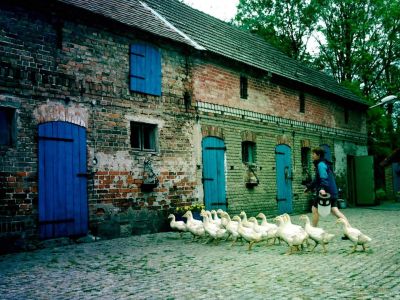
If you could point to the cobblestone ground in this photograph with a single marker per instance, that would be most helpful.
(164, 266)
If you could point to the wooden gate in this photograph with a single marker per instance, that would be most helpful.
(360, 175)
(284, 178)
(63, 207)
(213, 150)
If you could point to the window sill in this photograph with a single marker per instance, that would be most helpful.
(138, 151)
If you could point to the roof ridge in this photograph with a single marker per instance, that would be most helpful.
(165, 21)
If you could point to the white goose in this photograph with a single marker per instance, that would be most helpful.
(177, 225)
(293, 235)
(271, 228)
(231, 227)
(244, 220)
(318, 235)
(224, 221)
(248, 234)
(195, 227)
(354, 235)
(260, 229)
(214, 231)
(215, 218)
(191, 220)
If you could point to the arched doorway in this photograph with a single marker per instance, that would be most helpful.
(63, 205)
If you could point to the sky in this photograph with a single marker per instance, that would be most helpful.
(221, 9)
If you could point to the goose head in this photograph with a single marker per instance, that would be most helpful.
(342, 221)
(171, 216)
(279, 220)
(237, 219)
(260, 215)
(304, 218)
(252, 219)
(187, 214)
(286, 218)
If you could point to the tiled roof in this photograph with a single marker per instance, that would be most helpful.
(131, 13)
(226, 40)
(214, 35)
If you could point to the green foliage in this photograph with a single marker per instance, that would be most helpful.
(195, 207)
(287, 25)
(358, 44)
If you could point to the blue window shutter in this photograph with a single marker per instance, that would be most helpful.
(145, 69)
(138, 68)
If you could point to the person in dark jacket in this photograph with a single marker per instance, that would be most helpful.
(323, 183)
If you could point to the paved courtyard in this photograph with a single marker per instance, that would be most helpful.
(164, 266)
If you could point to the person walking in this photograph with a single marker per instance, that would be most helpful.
(323, 183)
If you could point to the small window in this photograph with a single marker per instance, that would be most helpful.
(143, 136)
(305, 158)
(145, 69)
(243, 87)
(302, 100)
(7, 126)
(248, 152)
(305, 165)
(59, 33)
(346, 116)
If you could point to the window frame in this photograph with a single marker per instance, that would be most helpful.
(244, 86)
(143, 137)
(246, 145)
(305, 159)
(302, 102)
(11, 115)
(346, 115)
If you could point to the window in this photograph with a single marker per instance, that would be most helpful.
(143, 136)
(305, 165)
(346, 115)
(302, 101)
(243, 87)
(58, 26)
(145, 69)
(248, 152)
(7, 126)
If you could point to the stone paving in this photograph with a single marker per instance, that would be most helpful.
(164, 266)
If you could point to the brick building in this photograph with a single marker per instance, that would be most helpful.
(115, 112)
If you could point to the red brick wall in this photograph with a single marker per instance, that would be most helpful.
(49, 84)
(215, 83)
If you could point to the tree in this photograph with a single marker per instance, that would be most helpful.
(358, 41)
(287, 25)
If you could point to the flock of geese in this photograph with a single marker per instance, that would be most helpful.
(218, 225)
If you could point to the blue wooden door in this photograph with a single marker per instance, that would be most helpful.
(63, 207)
(283, 158)
(214, 182)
